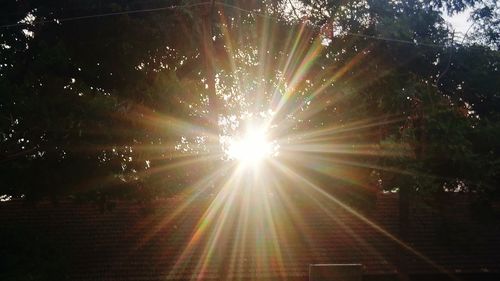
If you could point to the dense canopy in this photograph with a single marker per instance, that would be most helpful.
(140, 99)
(243, 104)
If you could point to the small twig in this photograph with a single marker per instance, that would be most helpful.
(449, 60)
(212, 18)
(293, 9)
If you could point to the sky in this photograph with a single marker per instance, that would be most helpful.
(459, 21)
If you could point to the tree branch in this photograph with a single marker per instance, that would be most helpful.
(293, 9)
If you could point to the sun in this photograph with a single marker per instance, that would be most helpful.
(253, 148)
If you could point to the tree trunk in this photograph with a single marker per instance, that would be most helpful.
(208, 57)
(404, 225)
(405, 193)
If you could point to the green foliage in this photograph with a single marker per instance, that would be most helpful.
(96, 107)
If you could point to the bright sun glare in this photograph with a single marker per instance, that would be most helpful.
(252, 148)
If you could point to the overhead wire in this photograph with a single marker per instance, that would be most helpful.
(362, 35)
(108, 14)
(255, 13)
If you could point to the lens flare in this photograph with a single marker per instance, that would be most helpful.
(253, 148)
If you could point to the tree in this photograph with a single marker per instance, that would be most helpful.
(119, 105)
(127, 99)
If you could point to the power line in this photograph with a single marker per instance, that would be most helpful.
(346, 33)
(108, 14)
(361, 35)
